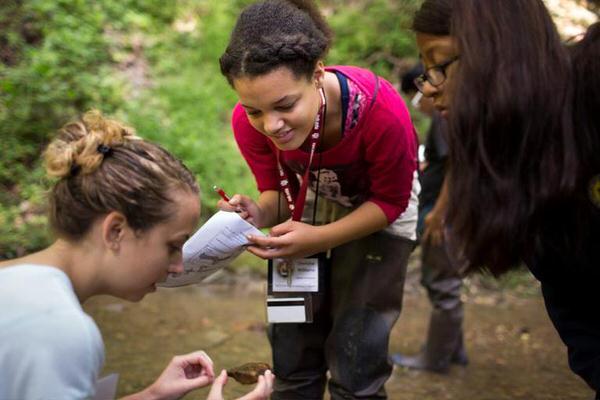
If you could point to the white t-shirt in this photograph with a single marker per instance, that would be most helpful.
(49, 347)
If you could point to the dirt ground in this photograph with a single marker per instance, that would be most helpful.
(514, 351)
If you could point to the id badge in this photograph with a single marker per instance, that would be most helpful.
(291, 284)
(301, 276)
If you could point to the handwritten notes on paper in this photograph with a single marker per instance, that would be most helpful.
(218, 242)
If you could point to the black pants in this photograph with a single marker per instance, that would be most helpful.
(350, 333)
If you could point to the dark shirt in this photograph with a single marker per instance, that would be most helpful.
(436, 154)
(569, 271)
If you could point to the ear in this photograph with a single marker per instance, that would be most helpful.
(319, 74)
(114, 227)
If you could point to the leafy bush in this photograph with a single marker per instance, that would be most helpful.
(188, 108)
(373, 33)
(56, 62)
(376, 34)
(153, 64)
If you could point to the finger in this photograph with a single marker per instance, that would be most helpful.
(207, 357)
(269, 381)
(263, 388)
(198, 355)
(207, 364)
(235, 200)
(194, 383)
(225, 206)
(240, 201)
(243, 214)
(216, 391)
(202, 359)
(268, 241)
(264, 253)
(282, 229)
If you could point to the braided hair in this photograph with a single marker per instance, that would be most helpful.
(275, 33)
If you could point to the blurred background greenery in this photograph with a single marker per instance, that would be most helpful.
(154, 64)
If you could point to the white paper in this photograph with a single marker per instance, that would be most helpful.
(218, 242)
(106, 387)
(305, 276)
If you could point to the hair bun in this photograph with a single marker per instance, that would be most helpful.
(76, 147)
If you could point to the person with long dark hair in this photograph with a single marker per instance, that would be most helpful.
(524, 138)
(348, 134)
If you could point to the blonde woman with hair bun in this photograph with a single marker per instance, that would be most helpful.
(121, 209)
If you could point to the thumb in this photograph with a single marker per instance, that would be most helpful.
(263, 388)
(216, 390)
(241, 200)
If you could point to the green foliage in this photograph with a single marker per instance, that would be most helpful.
(56, 62)
(189, 106)
(376, 34)
(61, 66)
(23, 225)
(153, 64)
(372, 33)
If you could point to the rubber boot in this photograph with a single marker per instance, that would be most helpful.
(444, 344)
(459, 356)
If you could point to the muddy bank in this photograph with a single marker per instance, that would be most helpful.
(515, 353)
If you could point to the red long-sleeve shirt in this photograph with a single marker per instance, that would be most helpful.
(376, 160)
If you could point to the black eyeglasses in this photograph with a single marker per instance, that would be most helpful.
(435, 75)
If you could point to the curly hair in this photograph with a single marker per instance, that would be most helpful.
(275, 33)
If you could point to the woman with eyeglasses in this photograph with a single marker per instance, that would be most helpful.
(348, 134)
(524, 139)
(441, 272)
